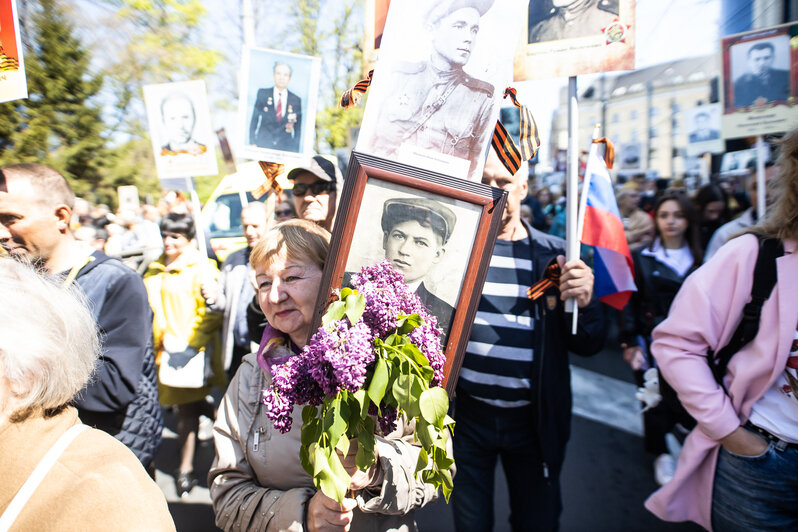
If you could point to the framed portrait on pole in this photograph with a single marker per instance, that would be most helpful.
(439, 83)
(760, 81)
(180, 129)
(13, 84)
(703, 130)
(277, 104)
(573, 37)
(437, 231)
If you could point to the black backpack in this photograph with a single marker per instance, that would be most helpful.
(764, 280)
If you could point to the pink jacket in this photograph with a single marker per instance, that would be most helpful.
(704, 315)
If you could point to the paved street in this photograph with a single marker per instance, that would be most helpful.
(606, 476)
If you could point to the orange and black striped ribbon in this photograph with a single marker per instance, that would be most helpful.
(609, 151)
(511, 155)
(551, 278)
(352, 96)
(271, 171)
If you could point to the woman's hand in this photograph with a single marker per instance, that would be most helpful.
(360, 479)
(325, 514)
(745, 443)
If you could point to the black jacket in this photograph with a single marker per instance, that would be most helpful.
(122, 397)
(551, 374)
(657, 285)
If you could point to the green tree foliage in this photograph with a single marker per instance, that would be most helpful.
(331, 30)
(60, 122)
(156, 41)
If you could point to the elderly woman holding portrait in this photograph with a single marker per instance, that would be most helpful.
(89, 480)
(256, 480)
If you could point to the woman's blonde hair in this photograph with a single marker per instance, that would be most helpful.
(48, 341)
(294, 239)
(781, 220)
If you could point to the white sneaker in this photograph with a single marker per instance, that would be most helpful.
(205, 431)
(664, 468)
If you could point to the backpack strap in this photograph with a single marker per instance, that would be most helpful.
(765, 273)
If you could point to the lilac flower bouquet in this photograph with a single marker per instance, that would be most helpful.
(376, 357)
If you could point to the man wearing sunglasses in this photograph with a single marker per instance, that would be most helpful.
(316, 191)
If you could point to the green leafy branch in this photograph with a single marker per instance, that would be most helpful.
(400, 378)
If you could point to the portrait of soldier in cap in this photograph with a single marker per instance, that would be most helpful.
(569, 19)
(435, 105)
(415, 233)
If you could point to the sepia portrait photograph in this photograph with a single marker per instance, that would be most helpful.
(13, 84)
(277, 104)
(426, 237)
(575, 37)
(759, 82)
(439, 82)
(703, 130)
(180, 129)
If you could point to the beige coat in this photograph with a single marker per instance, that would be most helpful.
(96, 484)
(257, 482)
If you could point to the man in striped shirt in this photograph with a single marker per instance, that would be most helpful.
(513, 396)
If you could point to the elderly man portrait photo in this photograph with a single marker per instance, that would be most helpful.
(415, 233)
(702, 128)
(761, 83)
(554, 20)
(435, 105)
(178, 118)
(276, 121)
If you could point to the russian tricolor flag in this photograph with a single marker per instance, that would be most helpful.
(602, 228)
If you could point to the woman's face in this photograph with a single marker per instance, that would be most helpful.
(174, 244)
(713, 210)
(544, 197)
(671, 220)
(287, 291)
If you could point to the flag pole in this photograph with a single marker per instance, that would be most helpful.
(572, 182)
(199, 231)
(761, 204)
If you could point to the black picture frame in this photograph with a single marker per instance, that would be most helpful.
(486, 203)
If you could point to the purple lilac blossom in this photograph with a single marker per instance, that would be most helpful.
(339, 356)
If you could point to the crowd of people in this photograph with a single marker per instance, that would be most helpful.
(111, 317)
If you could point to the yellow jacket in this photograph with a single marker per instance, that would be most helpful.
(179, 310)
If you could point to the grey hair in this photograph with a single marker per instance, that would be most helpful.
(48, 341)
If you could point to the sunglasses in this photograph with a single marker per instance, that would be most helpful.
(287, 212)
(316, 188)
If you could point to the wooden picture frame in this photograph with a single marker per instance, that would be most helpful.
(357, 235)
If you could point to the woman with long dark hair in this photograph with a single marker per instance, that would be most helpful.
(712, 210)
(660, 269)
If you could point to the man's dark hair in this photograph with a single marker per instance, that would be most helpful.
(50, 186)
(286, 65)
(175, 222)
(423, 217)
(762, 46)
(702, 113)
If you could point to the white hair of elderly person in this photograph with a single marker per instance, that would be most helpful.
(59, 474)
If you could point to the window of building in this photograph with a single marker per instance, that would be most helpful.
(616, 118)
(633, 114)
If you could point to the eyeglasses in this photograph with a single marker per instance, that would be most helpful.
(316, 188)
(287, 212)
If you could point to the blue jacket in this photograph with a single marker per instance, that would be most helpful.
(122, 397)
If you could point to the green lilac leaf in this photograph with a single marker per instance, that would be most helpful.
(335, 312)
(379, 381)
(355, 306)
(434, 404)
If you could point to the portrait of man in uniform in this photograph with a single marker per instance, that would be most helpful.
(276, 121)
(434, 104)
(761, 82)
(702, 128)
(178, 118)
(553, 20)
(415, 233)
